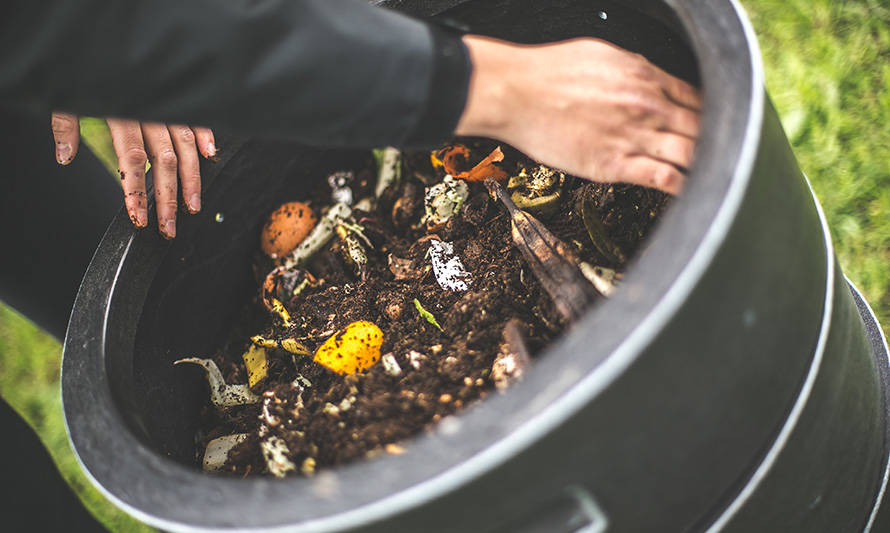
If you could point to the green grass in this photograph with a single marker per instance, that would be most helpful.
(828, 72)
(29, 381)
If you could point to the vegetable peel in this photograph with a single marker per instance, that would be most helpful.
(221, 393)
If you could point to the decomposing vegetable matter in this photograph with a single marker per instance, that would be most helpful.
(420, 283)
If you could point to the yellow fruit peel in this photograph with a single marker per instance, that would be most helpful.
(294, 346)
(352, 349)
(256, 364)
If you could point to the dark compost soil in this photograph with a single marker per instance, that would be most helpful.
(328, 419)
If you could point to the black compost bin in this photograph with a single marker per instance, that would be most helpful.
(734, 382)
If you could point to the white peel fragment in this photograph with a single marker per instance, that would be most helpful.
(447, 267)
(390, 167)
(602, 278)
(217, 450)
(320, 235)
(266, 416)
(443, 200)
(275, 454)
(222, 394)
(365, 204)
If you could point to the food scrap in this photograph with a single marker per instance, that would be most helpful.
(443, 200)
(286, 227)
(256, 364)
(447, 267)
(505, 251)
(221, 393)
(352, 349)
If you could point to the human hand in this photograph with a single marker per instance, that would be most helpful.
(586, 107)
(171, 149)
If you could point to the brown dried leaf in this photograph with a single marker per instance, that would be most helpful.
(549, 258)
(598, 235)
(403, 269)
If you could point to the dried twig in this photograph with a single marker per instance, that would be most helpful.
(549, 258)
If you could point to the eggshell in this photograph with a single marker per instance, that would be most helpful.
(286, 228)
(352, 349)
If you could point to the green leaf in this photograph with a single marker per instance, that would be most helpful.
(426, 314)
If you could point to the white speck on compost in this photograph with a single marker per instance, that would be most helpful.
(342, 195)
(275, 453)
(447, 267)
(391, 365)
(415, 357)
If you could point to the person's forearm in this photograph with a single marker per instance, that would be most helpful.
(320, 71)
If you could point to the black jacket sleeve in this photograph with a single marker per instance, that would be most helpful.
(325, 72)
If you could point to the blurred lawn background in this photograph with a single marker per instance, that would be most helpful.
(828, 72)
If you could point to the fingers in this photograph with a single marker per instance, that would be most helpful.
(679, 91)
(184, 139)
(667, 147)
(66, 133)
(165, 165)
(206, 142)
(126, 136)
(648, 172)
(681, 120)
(173, 152)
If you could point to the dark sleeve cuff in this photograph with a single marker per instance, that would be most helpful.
(447, 94)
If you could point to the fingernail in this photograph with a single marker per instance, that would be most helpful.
(194, 203)
(138, 218)
(63, 153)
(211, 149)
(169, 230)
